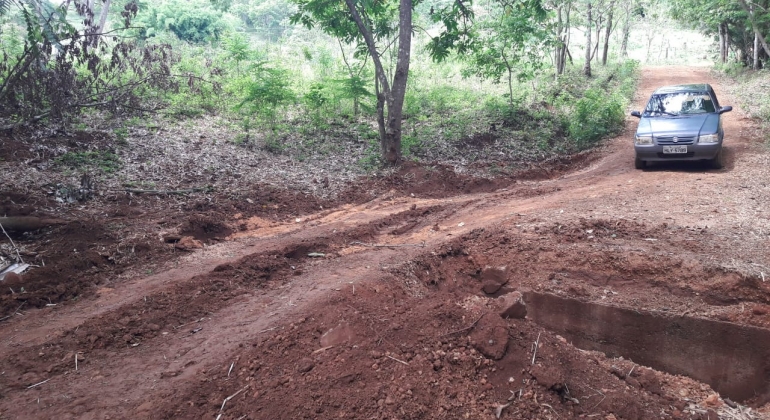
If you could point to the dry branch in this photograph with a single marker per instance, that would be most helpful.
(27, 223)
(466, 328)
(420, 245)
(165, 192)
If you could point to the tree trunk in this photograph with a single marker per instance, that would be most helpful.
(103, 16)
(607, 35)
(587, 66)
(754, 26)
(755, 64)
(722, 44)
(562, 49)
(390, 100)
(391, 144)
(558, 54)
(626, 32)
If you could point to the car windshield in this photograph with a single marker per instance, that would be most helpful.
(680, 103)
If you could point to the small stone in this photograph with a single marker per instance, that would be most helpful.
(759, 311)
(337, 335)
(712, 401)
(188, 243)
(305, 365)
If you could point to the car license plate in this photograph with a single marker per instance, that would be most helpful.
(674, 149)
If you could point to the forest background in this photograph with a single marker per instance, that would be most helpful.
(362, 83)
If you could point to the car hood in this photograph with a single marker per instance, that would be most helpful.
(690, 125)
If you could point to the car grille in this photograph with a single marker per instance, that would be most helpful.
(679, 140)
(676, 155)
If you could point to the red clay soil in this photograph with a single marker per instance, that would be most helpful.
(294, 307)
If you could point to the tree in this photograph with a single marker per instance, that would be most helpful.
(194, 21)
(377, 27)
(563, 9)
(608, 32)
(510, 42)
(62, 70)
(587, 65)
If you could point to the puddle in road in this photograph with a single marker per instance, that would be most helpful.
(733, 359)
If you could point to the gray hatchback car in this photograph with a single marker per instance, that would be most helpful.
(680, 122)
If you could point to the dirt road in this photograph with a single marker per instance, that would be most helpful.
(389, 309)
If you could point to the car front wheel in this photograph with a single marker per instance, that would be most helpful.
(718, 161)
(639, 164)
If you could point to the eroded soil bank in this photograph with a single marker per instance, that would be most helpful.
(387, 303)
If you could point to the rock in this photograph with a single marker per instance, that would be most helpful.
(12, 278)
(490, 336)
(188, 243)
(337, 335)
(305, 365)
(650, 381)
(491, 287)
(712, 401)
(758, 310)
(512, 306)
(548, 376)
(497, 275)
(633, 382)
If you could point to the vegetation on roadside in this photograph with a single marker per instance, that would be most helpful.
(479, 87)
(750, 89)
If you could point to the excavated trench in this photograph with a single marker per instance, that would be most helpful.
(733, 359)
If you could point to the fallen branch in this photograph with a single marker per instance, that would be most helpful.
(499, 410)
(399, 361)
(15, 248)
(537, 344)
(420, 245)
(231, 397)
(466, 328)
(14, 312)
(39, 383)
(322, 349)
(165, 192)
(27, 223)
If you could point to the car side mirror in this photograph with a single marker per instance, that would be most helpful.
(725, 109)
(638, 114)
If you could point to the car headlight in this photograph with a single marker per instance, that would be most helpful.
(641, 140)
(708, 138)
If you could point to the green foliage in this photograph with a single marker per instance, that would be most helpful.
(266, 90)
(595, 116)
(456, 18)
(237, 48)
(510, 43)
(268, 17)
(599, 111)
(106, 161)
(193, 21)
(121, 135)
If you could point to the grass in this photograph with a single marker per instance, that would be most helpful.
(107, 162)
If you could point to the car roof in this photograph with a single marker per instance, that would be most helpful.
(694, 87)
